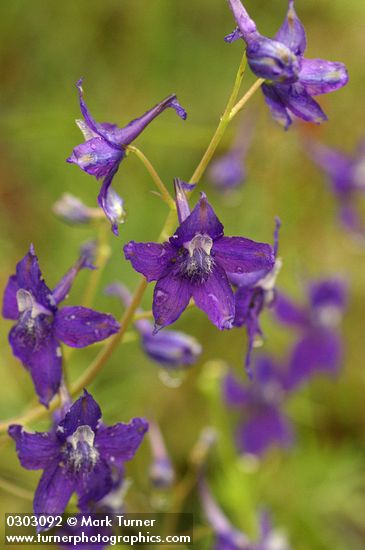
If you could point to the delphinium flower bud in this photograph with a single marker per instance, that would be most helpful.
(73, 211)
(161, 471)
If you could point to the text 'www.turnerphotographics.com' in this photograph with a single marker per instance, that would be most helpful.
(111, 529)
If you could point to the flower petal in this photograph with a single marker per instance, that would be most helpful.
(120, 442)
(84, 412)
(29, 277)
(319, 350)
(79, 327)
(240, 255)
(54, 490)
(321, 77)
(92, 486)
(298, 101)
(267, 427)
(96, 157)
(276, 106)
(202, 220)
(39, 351)
(10, 305)
(111, 203)
(150, 259)
(235, 393)
(292, 32)
(289, 313)
(171, 296)
(35, 450)
(130, 132)
(215, 298)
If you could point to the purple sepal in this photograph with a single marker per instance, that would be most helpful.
(150, 259)
(292, 32)
(54, 489)
(241, 255)
(272, 60)
(322, 77)
(84, 412)
(202, 220)
(121, 441)
(33, 343)
(79, 326)
(34, 450)
(170, 298)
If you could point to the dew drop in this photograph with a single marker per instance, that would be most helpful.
(172, 378)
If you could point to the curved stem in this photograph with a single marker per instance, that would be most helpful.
(154, 175)
(223, 123)
(242, 102)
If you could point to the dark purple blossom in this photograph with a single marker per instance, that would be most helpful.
(41, 325)
(79, 455)
(260, 401)
(227, 537)
(255, 292)
(194, 264)
(291, 80)
(319, 346)
(104, 149)
(171, 349)
(346, 174)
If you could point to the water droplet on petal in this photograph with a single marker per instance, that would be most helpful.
(172, 378)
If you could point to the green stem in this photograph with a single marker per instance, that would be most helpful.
(154, 175)
(242, 102)
(223, 123)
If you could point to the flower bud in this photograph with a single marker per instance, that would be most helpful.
(272, 60)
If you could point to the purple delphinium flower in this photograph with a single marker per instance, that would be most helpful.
(227, 537)
(73, 211)
(255, 292)
(41, 325)
(194, 263)
(228, 171)
(171, 349)
(346, 174)
(77, 456)
(264, 423)
(291, 80)
(104, 150)
(319, 347)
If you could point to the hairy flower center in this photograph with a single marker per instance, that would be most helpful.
(199, 263)
(81, 453)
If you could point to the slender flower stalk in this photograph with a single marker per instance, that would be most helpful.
(165, 195)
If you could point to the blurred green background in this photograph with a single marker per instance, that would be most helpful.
(132, 54)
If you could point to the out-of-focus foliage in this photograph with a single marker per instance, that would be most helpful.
(131, 54)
